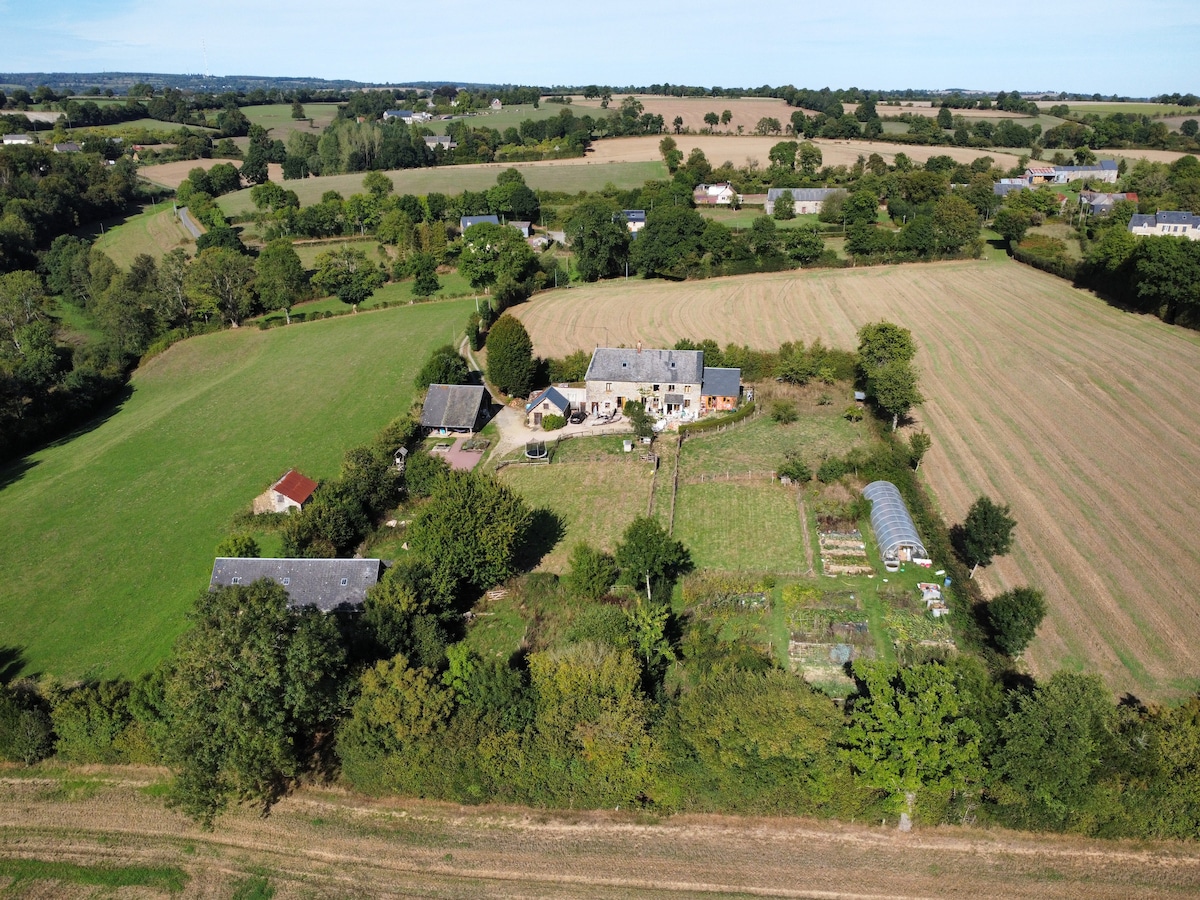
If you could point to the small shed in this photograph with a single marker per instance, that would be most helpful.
(895, 531)
(291, 491)
(721, 388)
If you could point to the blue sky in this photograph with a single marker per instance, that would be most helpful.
(1101, 46)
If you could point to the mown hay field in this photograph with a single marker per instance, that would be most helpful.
(1084, 418)
(326, 843)
(109, 536)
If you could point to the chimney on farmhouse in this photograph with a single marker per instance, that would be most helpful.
(639, 346)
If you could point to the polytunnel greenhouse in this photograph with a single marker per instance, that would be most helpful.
(894, 529)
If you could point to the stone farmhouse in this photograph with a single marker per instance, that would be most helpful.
(673, 384)
(327, 584)
(805, 201)
(1168, 224)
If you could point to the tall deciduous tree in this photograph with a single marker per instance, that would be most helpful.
(910, 731)
(985, 533)
(494, 254)
(511, 366)
(280, 279)
(1015, 616)
(809, 155)
(444, 366)
(648, 553)
(955, 224)
(222, 280)
(347, 273)
(599, 238)
(469, 533)
(249, 687)
(894, 389)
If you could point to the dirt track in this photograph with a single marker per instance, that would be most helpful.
(1084, 418)
(327, 844)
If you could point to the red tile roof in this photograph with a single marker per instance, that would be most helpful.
(295, 486)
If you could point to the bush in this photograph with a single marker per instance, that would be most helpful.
(25, 733)
(853, 413)
(784, 412)
(795, 468)
(1015, 616)
(553, 423)
(831, 470)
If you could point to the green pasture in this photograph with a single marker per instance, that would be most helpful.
(1078, 109)
(511, 116)
(155, 231)
(570, 177)
(453, 286)
(109, 534)
(154, 125)
(277, 118)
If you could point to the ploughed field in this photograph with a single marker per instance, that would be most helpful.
(1084, 418)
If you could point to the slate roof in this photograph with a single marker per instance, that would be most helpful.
(326, 584)
(1001, 189)
(549, 394)
(646, 366)
(799, 194)
(1164, 217)
(68, 147)
(452, 406)
(398, 114)
(466, 222)
(719, 382)
(634, 215)
(295, 486)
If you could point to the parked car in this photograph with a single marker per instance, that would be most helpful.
(577, 417)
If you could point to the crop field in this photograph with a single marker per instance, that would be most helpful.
(569, 175)
(746, 110)
(173, 174)
(109, 535)
(155, 232)
(1082, 417)
(325, 843)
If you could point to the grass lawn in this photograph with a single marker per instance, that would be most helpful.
(155, 232)
(569, 177)
(759, 444)
(277, 118)
(741, 526)
(596, 500)
(744, 217)
(110, 534)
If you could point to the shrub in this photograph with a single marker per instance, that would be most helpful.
(853, 413)
(553, 423)
(831, 470)
(784, 412)
(795, 468)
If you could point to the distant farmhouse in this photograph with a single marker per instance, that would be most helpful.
(671, 383)
(1167, 223)
(720, 194)
(454, 407)
(805, 200)
(635, 219)
(67, 147)
(1101, 204)
(291, 491)
(18, 139)
(433, 141)
(465, 222)
(1105, 170)
(327, 584)
(407, 116)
